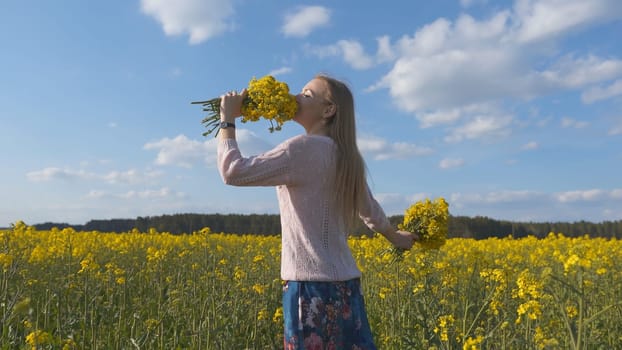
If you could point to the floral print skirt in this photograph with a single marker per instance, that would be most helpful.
(325, 315)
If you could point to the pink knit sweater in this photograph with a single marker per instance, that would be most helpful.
(314, 239)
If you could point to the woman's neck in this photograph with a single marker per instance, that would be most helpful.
(318, 129)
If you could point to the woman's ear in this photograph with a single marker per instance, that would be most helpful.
(330, 110)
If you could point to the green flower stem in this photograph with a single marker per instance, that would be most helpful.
(212, 120)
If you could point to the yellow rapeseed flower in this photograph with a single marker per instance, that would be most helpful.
(239, 273)
(151, 324)
(69, 344)
(445, 322)
(266, 97)
(259, 288)
(531, 308)
(263, 315)
(278, 315)
(88, 264)
(382, 293)
(572, 311)
(5, 261)
(473, 343)
(39, 338)
(429, 219)
(570, 262)
(542, 341)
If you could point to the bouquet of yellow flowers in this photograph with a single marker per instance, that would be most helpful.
(266, 97)
(429, 220)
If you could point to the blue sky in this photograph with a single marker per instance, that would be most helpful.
(508, 109)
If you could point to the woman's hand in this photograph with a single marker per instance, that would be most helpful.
(231, 105)
(403, 239)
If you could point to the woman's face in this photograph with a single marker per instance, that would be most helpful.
(313, 106)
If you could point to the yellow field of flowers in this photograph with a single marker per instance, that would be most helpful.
(62, 289)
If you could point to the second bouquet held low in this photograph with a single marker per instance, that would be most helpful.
(266, 98)
(428, 219)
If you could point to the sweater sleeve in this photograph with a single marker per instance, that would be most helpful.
(268, 169)
(373, 215)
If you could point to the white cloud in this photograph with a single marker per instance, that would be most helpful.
(429, 40)
(396, 203)
(528, 205)
(510, 55)
(448, 163)
(545, 19)
(495, 197)
(444, 66)
(469, 3)
(250, 143)
(184, 152)
(511, 196)
(351, 51)
(304, 20)
(570, 72)
(455, 78)
(380, 149)
(616, 130)
(280, 71)
(392, 199)
(175, 72)
(323, 51)
(200, 19)
(530, 146)
(180, 151)
(601, 93)
(453, 115)
(572, 123)
(439, 117)
(580, 195)
(161, 193)
(469, 32)
(385, 51)
(96, 194)
(354, 54)
(521, 204)
(131, 176)
(53, 173)
(518, 205)
(481, 126)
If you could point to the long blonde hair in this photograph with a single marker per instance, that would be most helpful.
(350, 177)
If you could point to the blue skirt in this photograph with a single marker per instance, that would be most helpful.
(325, 315)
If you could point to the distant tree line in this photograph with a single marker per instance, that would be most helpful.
(183, 223)
(478, 227)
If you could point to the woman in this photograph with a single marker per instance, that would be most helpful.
(322, 189)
